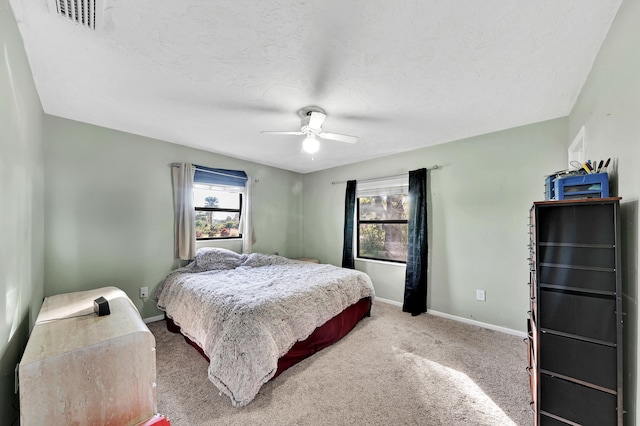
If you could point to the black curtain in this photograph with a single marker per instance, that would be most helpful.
(349, 207)
(415, 287)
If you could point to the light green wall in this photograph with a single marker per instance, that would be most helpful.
(109, 213)
(109, 204)
(21, 216)
(609, 108)
(110, 219)
(478, 206)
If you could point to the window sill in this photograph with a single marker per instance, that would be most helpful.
(381, 262)
(234, 244)
(218, 239)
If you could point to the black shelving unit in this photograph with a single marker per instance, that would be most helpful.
(575, 317)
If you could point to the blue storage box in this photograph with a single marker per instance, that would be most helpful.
(594, 185)
(549, 187)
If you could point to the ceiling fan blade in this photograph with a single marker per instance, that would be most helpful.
(316, 119)
(339, 138)
(283, 133)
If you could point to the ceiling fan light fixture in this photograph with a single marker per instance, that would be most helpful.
(310, 144)
(311, 120)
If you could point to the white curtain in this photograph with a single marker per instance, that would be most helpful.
(185, 223)
(248, 236)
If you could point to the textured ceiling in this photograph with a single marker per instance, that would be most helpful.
(399, 75)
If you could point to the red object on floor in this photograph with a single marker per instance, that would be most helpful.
(157, 420)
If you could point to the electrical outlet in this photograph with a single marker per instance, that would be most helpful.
(16, 383)
(144, 292)
(480, 295)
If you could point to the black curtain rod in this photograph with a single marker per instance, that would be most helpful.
(436, 167)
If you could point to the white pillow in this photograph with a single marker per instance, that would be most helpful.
(255, 260)
(216, 259)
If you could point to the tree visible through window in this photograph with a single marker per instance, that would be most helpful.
(382, 227)
(217, 212)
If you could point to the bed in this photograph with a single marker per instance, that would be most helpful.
(254, 315)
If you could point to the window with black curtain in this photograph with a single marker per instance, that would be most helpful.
(382, 208)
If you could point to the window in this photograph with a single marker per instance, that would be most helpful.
(217, 200)
(382, 226)
(217, 212)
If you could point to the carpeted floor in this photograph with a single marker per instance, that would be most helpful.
(392, 369)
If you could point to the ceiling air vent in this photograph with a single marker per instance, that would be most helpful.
(87, 13)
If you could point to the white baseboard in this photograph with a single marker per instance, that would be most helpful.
(153, 319)
(388, 301)
(461, 319)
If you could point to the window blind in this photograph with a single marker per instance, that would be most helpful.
(211, 176)
(385, 186)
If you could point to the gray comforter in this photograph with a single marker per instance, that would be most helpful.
(246, 311)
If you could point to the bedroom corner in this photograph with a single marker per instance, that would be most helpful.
(21, 221)
(110, 216)
(475, 219)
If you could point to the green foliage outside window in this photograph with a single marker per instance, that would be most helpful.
(382, 227)
(217, 213)
(213, 225)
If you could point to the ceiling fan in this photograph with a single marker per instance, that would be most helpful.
(312, 119)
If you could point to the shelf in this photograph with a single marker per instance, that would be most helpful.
(594, 191)
(585, 279)
(583, 268)
(579, 382)
(575, 301)
(559, 419)
(579, 290)
(588, 316)
(577, 337)
(553, 203)
(576, 359)
(561, 398)
(578, 245)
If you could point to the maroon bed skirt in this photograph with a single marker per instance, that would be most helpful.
(325, 335)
